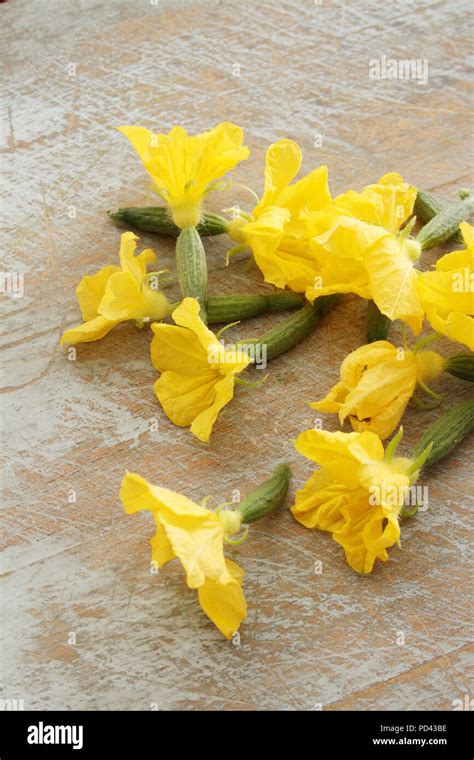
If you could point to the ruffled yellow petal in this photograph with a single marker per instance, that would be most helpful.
(376, 386)
(283, 260)
(318, 504)
(225, 604)
(447, 295)
(282, 164)
(342, 454)
(367, 533)
(310, 193)
(121, 298)
(388, 203)
(134, 265)
(204, 422)
(393, 282)
(182, 167)
(197, 378)
(178, 350)
(91, 289)
(89, 331)
(125, 298)
(185, 396)
(195, 535)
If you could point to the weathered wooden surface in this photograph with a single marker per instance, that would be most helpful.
(73, 72)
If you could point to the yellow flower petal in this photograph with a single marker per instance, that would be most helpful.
(197, 378)
(134, 265)
(204, 422)
(366, 535)
(183, 167)
(225, 604)
(376, 385)
(282, 164)
(318, 504)
(448, 297)
(91, 289)
(94, 329)
(195, 535)
(185, 396)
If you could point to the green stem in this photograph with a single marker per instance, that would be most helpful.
(157, 219)
(267, 497)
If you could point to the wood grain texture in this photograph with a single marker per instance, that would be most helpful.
(76, 426)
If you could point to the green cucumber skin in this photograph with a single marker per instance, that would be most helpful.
(267, 497)
(157, 219)
(446, 433)
(461, 365)
(290, 331)
(226, 309)
(191, 267)
(442, 226)
(378, 325)
(427, 206)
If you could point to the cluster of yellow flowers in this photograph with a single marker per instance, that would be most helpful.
(306, 241)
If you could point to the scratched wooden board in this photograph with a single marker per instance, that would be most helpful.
(72, 72)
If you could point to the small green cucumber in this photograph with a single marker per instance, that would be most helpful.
(378, 324)
(267, 496)
(191, 267)
(226, 309)
(461, 365)
(442, 226)
(427, 206)
(446, 433)
(157, 219)
(295, 328)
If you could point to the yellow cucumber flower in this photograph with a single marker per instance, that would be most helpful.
(358, 493)
(447, 294)
(184, 168)
(197, 372)
(195, 536)
(118, 293)
(377, 382)
(274, 231)
(360, 250)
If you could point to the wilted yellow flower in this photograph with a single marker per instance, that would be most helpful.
(377, 382)
(360, 250)
(197, 371)
(447, 294)
(185, 168)
(357, 494)
(118, 293)
(195, 536)
(273, 230)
